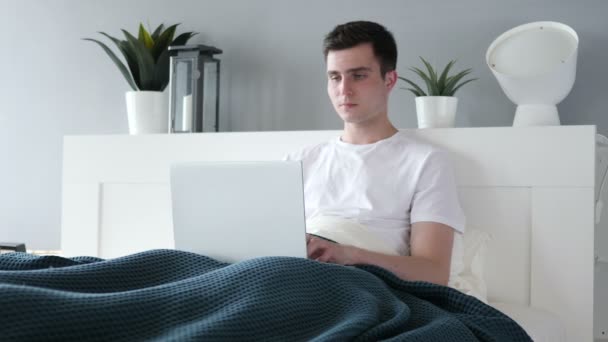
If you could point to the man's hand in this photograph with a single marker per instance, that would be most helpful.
(325, 251)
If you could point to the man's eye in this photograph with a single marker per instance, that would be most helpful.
(334, 78)
(359, 76)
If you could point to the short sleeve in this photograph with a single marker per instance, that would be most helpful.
(436, 195)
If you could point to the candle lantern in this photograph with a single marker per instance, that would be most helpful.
(194, 82)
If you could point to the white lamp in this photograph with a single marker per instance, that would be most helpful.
(535, 65)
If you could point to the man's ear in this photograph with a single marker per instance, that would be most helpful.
(390, 79)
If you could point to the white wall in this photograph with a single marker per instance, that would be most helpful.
(273, 74)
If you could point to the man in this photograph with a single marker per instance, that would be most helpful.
(400, 189)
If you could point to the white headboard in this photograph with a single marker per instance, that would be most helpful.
(531, 188)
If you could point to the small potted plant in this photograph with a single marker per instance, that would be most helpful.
(437, 107)
(147, 73)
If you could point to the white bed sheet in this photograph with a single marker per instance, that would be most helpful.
(542, 326)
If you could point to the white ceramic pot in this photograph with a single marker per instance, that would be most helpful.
(436, 111)
(147, 112)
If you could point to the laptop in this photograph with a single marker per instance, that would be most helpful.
(232, 211)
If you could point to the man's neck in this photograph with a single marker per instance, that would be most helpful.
(367, 134)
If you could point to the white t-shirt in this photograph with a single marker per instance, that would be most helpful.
(385, 186)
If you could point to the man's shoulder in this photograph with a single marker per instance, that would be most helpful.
(309, 151)
(413, 146)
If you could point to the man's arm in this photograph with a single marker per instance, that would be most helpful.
(430, 247)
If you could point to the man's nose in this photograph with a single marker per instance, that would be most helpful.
(346, 87)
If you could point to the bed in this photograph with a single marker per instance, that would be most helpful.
(531, 189)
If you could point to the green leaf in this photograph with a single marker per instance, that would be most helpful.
(161, 71)
(416, 92)
(147, 56)
(115, 40)
(444, 85)
(414, 85)
(413, 91)
(128, 54)
(453, 80)
(119, 64)
(144, 59)
(145, 37)
(163, 41)
(443, 77)
(432, 76)
(431, 88)
(183, 38)
(157, 32)
(460, 85)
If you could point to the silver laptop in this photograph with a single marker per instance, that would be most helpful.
(233, 211)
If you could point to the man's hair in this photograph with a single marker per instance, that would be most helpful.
(353, 33)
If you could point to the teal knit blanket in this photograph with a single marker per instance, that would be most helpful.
(168, 295)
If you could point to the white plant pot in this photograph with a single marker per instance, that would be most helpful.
(147, 112)
(436, 111)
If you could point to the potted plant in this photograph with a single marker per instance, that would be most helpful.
(147, 73)
(437, 106)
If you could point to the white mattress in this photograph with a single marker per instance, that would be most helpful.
(542, 326)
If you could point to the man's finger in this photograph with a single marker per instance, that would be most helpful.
(311, 247)
(315, 248)
(325, 256)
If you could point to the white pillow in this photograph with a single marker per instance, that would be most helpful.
(468, 259)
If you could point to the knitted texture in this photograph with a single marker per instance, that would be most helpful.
(168, 295)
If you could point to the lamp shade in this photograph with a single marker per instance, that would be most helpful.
(535, 65)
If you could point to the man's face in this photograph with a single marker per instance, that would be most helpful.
(355, 84)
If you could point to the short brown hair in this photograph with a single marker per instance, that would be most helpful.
(353, 33)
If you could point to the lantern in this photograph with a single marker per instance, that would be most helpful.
(194, 89)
